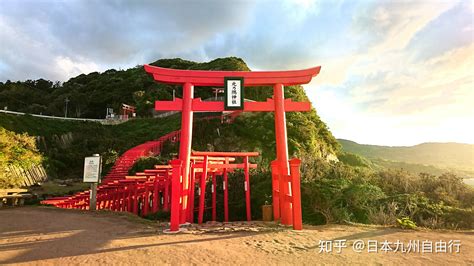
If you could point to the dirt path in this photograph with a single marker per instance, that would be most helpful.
(41, 235)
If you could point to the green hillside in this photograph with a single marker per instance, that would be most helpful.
(433, 158)
(65, 143)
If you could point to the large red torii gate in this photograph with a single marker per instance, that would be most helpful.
(282, 207)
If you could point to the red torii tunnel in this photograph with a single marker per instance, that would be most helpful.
(219, 163)
(283, 205)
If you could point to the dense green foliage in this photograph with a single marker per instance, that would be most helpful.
(335, 192)
(89, 95)
(425, 157)
(16, 150)
(64, 144)
(383, 195)
(354, 160)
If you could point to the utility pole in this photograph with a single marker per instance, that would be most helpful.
(66, 102)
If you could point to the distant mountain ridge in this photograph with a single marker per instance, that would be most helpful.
(459, 156)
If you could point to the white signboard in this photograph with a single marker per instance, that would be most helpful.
(92, 169)
(234, 93)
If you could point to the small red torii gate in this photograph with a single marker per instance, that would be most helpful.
(219, 163)
(282, 206)
(127, 110)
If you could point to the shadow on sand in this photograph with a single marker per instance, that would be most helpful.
(50, 233)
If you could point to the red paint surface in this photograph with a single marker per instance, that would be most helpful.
(216, 78)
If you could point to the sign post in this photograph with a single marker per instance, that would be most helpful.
(234, 93)
(92, 169)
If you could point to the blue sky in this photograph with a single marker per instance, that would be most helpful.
(393, 72)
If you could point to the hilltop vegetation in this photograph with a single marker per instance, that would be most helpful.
(89, 95)
(65, 143)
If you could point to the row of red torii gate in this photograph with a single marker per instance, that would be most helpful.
(286, 199)
(172, 187)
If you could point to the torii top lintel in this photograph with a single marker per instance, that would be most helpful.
(216, 78)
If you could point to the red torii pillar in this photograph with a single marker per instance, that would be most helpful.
(190, 78)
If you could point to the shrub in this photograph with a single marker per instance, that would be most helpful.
(406, 223)
(16, 150)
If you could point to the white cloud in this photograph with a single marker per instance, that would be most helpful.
(347, 121)
(382, 95)
(108, 34)
(71, 68)
(406, 19)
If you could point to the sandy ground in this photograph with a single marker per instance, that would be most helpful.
(40, 235)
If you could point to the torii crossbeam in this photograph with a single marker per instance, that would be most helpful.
(282, 207)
